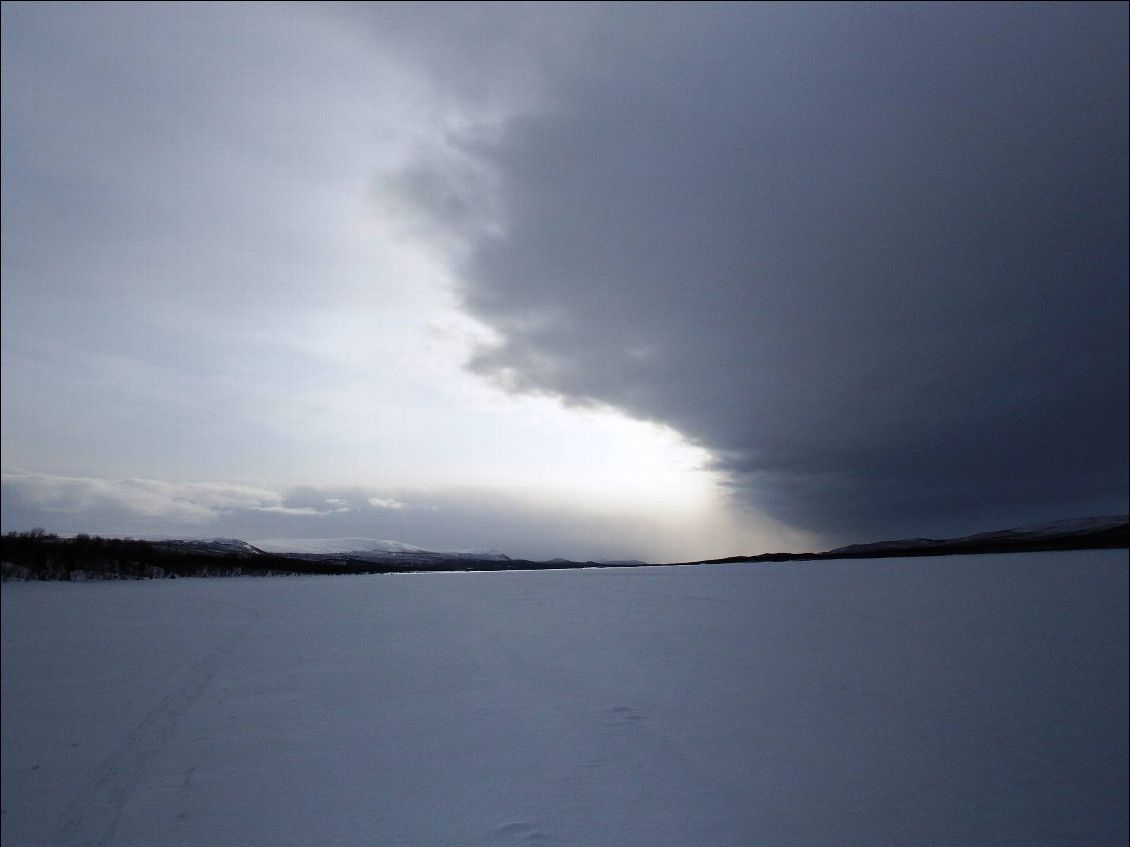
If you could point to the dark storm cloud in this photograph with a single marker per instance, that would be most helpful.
(873, 257)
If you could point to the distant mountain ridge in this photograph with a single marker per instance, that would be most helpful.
(1110, 531)
(216, 546)
(1073, 529)
(371, 550)
(1102, 531)
(39, 555)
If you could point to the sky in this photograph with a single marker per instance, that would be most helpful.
(586, 280)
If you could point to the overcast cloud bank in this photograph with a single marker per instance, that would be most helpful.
(872, 257)
(871, 260)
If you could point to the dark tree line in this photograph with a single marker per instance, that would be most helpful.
(39, 555)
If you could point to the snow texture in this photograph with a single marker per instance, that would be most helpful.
(963, 700)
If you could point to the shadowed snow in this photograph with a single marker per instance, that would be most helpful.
(963, 700)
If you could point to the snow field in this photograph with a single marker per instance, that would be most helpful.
(959, 700)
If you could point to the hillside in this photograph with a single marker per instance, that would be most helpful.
(40, 555)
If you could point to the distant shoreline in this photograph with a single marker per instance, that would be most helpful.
(37, 555)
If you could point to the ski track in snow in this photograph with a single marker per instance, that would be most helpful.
(91, 818)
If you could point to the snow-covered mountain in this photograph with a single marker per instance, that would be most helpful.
(372, 550)
(335, 546)
(352, 554)
(1060, 529)
(1065, 531)
(218, 546)
(375, 550)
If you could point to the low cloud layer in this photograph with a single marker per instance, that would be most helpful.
(872, 257)
(455, 519)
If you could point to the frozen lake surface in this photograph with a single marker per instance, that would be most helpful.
(949, 701)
